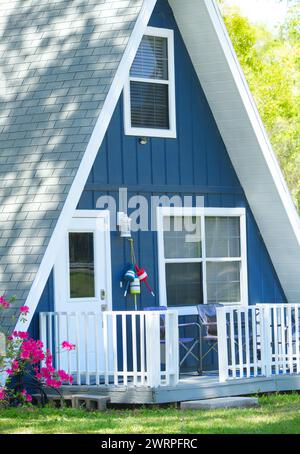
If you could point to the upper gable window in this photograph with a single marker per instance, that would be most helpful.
(149, 94)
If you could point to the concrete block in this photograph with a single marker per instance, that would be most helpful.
(57, 400)
(90, 402)
(224, 402)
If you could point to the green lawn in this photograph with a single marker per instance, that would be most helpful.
(278, 414)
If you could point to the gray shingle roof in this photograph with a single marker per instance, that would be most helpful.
(57, 61)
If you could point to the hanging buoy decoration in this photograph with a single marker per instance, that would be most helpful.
(132, 277)
(143, 277)
(135, 286)
(128, 277)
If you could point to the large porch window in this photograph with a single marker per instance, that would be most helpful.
(202, 256)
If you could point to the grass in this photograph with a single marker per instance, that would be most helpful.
(278, 414)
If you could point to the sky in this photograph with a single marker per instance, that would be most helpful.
(269, 12)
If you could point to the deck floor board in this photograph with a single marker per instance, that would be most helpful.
(189, 388)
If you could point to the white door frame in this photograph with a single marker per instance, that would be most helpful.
(61, 266)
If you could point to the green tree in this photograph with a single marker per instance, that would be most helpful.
(271, 63)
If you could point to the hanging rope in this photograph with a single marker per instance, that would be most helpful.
(132, 252)
(135, 286)
(141, 273)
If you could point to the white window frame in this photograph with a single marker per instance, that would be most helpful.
(202, 213)
(151, 132)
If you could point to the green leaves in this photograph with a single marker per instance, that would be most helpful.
(271, 63)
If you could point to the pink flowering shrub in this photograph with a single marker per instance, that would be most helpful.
(68, 346)
(27, 365)
(4, 304)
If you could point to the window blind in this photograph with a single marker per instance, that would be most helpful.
(149, 105)
(151, 61)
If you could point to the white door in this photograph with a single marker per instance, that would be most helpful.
(82, 276)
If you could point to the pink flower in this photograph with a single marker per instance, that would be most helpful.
(2, 393)
(24, 310)
(20, 334)
(25, 355)
(3, 303)
(28, 397)
(68, 346)
(9, 371)
(53, 383)
(45, 372)
(32, 350)
(49, 358)
(38, 375)
(15, 365)
(64, 376)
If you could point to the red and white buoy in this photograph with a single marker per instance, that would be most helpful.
(143, 277)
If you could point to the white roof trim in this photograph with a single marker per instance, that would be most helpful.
(87, 161)
(244, 135)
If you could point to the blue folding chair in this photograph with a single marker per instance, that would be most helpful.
(187, 343)
(208, 330)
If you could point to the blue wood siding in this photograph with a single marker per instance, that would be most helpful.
(196, 163)
(46, 304)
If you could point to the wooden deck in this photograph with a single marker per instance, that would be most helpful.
(190, 388)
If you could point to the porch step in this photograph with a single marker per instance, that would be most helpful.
(90, 402)
(223, 402)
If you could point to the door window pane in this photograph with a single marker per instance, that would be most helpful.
(223, 282)
(222, 237)
(184, 284)
(182, 237)
(82, 266)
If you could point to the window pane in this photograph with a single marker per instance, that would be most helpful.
(223, 282)
(182, 237)
(184, 284)
(82, 268)
(149, 105)
(151, 60)
(222, 237)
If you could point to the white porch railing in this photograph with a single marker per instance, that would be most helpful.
(261, 340)
(115, 348)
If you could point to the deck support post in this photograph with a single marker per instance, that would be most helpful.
(153, 349)
(172, 349)
(265, 318)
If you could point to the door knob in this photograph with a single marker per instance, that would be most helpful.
(102, 294)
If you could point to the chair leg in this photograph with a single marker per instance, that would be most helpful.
(200, 370)
(189, 351)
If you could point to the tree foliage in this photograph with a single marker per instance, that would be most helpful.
(271, 62)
